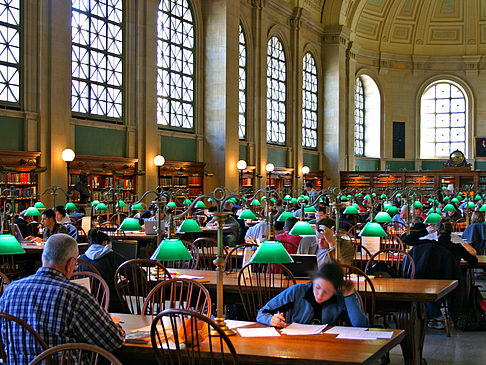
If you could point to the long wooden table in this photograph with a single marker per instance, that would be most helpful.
(407, 297)
(36, 249)
(316, 349)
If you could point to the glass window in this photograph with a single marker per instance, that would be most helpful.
(443, 120)
(359, 118)
(309, 102)
(276, 92)
(175, 64)
(10, 54)
(242, 85)
(97, 59)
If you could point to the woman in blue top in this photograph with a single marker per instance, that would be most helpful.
(325, 300)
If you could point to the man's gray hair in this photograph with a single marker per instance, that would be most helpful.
(59, 248)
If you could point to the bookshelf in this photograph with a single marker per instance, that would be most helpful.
(18, 173)
(316, 178)
(183, 175)
(248, 181)
(281, 180)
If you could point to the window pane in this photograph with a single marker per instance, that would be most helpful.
(309, 102)
(10, 52)
(175, 63)
(276, 92)
(242, 85)
(359, 112)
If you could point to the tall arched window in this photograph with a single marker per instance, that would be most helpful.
(242, 85)
(276, 92)
(10, 54)
(367, 118)
(175, 64)
(309, 102)
(443, 118)
(97, 59)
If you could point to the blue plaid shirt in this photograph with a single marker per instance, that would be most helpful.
(60, 311)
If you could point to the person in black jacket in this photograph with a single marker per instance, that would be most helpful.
(101, 255)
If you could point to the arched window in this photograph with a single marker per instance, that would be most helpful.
(97, 59)
(367, 118)
(175, 64)
(10, 54)
(276, 92)
(443, 117)
(242, 85)
(309, 102)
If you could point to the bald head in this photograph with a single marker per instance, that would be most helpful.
(58, 249)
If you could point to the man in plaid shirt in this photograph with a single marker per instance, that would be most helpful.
(58, 309)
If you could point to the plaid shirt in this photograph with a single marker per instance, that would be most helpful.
(60, 311)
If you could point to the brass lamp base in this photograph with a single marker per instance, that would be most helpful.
(222, 325)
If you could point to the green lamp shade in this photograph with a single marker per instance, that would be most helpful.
(383, 217)
(287, 197)
(101, 207)
(137, 207)
(255, 202)
(344, 198)
(171, 249)
(70, 206)
(233, 200)
(263, 198)
(449, 208)
(432, 218)
(171, 205)
(186, 202)
(94, 203)
(444, 188)
(210, 200)
(272, 200)
(367, 196)
(293, 201)
(283, 217)
(393, 210)
(356, 205)
(271, 252)
(386, 205)
(200, 205)
(483, 208)
(189, 226)
(248, 214)
(470, 205)
(39, 205)
(373, 194)
(359, 195)
(446, 199)
(455, 200)
(372, 229)
(121, 204)
(302, 229)
(417, 204)
(9, 245)
(434, 210)
(383, 196)
(130, 224)
(350, 209)
(31, 212)
(399, 195)
(306, 198)
(310, 209)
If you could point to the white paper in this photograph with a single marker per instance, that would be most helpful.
(356, 336)
(381, 334)
(337, 330)
(231, 323)
(303, 329)
(358, 333)
(84, 282)
(258, 332)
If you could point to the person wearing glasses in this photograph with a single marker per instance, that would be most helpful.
(59, 310)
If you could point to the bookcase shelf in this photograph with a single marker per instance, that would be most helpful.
(183, 175)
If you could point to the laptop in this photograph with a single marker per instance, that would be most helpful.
(18, 234)
(302, 266)
(150, 228)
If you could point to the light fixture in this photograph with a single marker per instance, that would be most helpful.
(449, 208)
(255, 202)
(9, 245)
(434, 210)
(68, 155)
(310, 209)
(70, 206)
(383, 217)
(350, 209)
(189, 226)
(284, 216)
(171, 205)
(186, 202)
(159, 160)
(417, 204)
(121, 204)
(94, 203)
(101, 207)
(372, 229)
(247, 214)
(393, 210)
(200, 205)
(171, 249)
(271, 252)
(32, 212)
(137, 206)
(293, 201)
(432, 218)
(302, 229)
(287, 197)
(130, 224)
(305, 170)
(470, 205)
(241, 165)
(233, 200)
(270, 167)
(483, 208)
(39, 205)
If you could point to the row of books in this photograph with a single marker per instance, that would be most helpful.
(17, 178)
(20, 192)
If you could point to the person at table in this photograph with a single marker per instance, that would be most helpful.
(475, 233)
(327, 299)
(230, 235)
(286, 237)
(100, 254)
(258, 232)
(59, 310)
(321, 214)
(419, 212)
(77, 214)
(311, 192)
(51, 227)
(61, 216)
(454, 215)
(22, 222)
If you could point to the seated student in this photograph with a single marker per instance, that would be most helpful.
(61, 216)
(285, 236)
(51, 227)
(321, 214)
(101, 255)
(326, 300)
(256, 232)
(475, 232)
(77, 214)
(230, 235)
(22, 222)
(454, 215)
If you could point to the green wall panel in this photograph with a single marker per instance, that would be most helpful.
(277, 157)
(311, 160)
(480, 165)
(243, 152)
(433, 165)
(178, 149)
(100, 141)
(12, 136)
(367, 165)
(400, 165)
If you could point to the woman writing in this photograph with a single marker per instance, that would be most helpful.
(327, 299)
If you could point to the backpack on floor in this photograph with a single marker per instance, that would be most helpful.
(475, 319)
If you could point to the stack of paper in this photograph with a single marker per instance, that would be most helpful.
(258, 332)
(303, 329)
(232, 324)
(358, 333)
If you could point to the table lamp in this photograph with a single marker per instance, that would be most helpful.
(171, 249)
(130, 224)
(200, 205)
(383, 217)
(432, 218)
(137, 206)
(247, 214)
(350, 209)
(94, 203)
(255, 202)
(70, 206)
(39, 205)
(32, 212)
(393, 210)
(372, 229)
(302, 229)
(9, 245)
(271, 252)
(121, 204)
(284, 216)
(189, 225)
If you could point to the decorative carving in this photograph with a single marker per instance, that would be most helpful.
(295, 20)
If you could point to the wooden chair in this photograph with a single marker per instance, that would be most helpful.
(98, 286)
(234, 258)
(114, 218)
(11, 269)
(460, 225)
(178, 294)
(76, 353)
(207, 248)
(364, 287)
(394, 258)
(34, 228)
(8, 348)
(289, 246)
(86, 266)
(391, 241)
(363, 255)
(355, 230)
(395, 228)
(111, 229)
(345, 225)
(4, 281)
(258, 283)
(185, 264)
(210, 349)
(133, 282)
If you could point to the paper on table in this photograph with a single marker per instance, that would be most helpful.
(258, 332)
(231, 323)
(303, 329)
(84, 282)
(381, 334)
(358, 333)
(356, 336)
(337, 330)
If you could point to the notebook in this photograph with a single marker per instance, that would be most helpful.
(18, 234)
(150, 227)
(302, 266)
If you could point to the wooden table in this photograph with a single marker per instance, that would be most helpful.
(36, 249)
(317, 349)
(407, 297)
